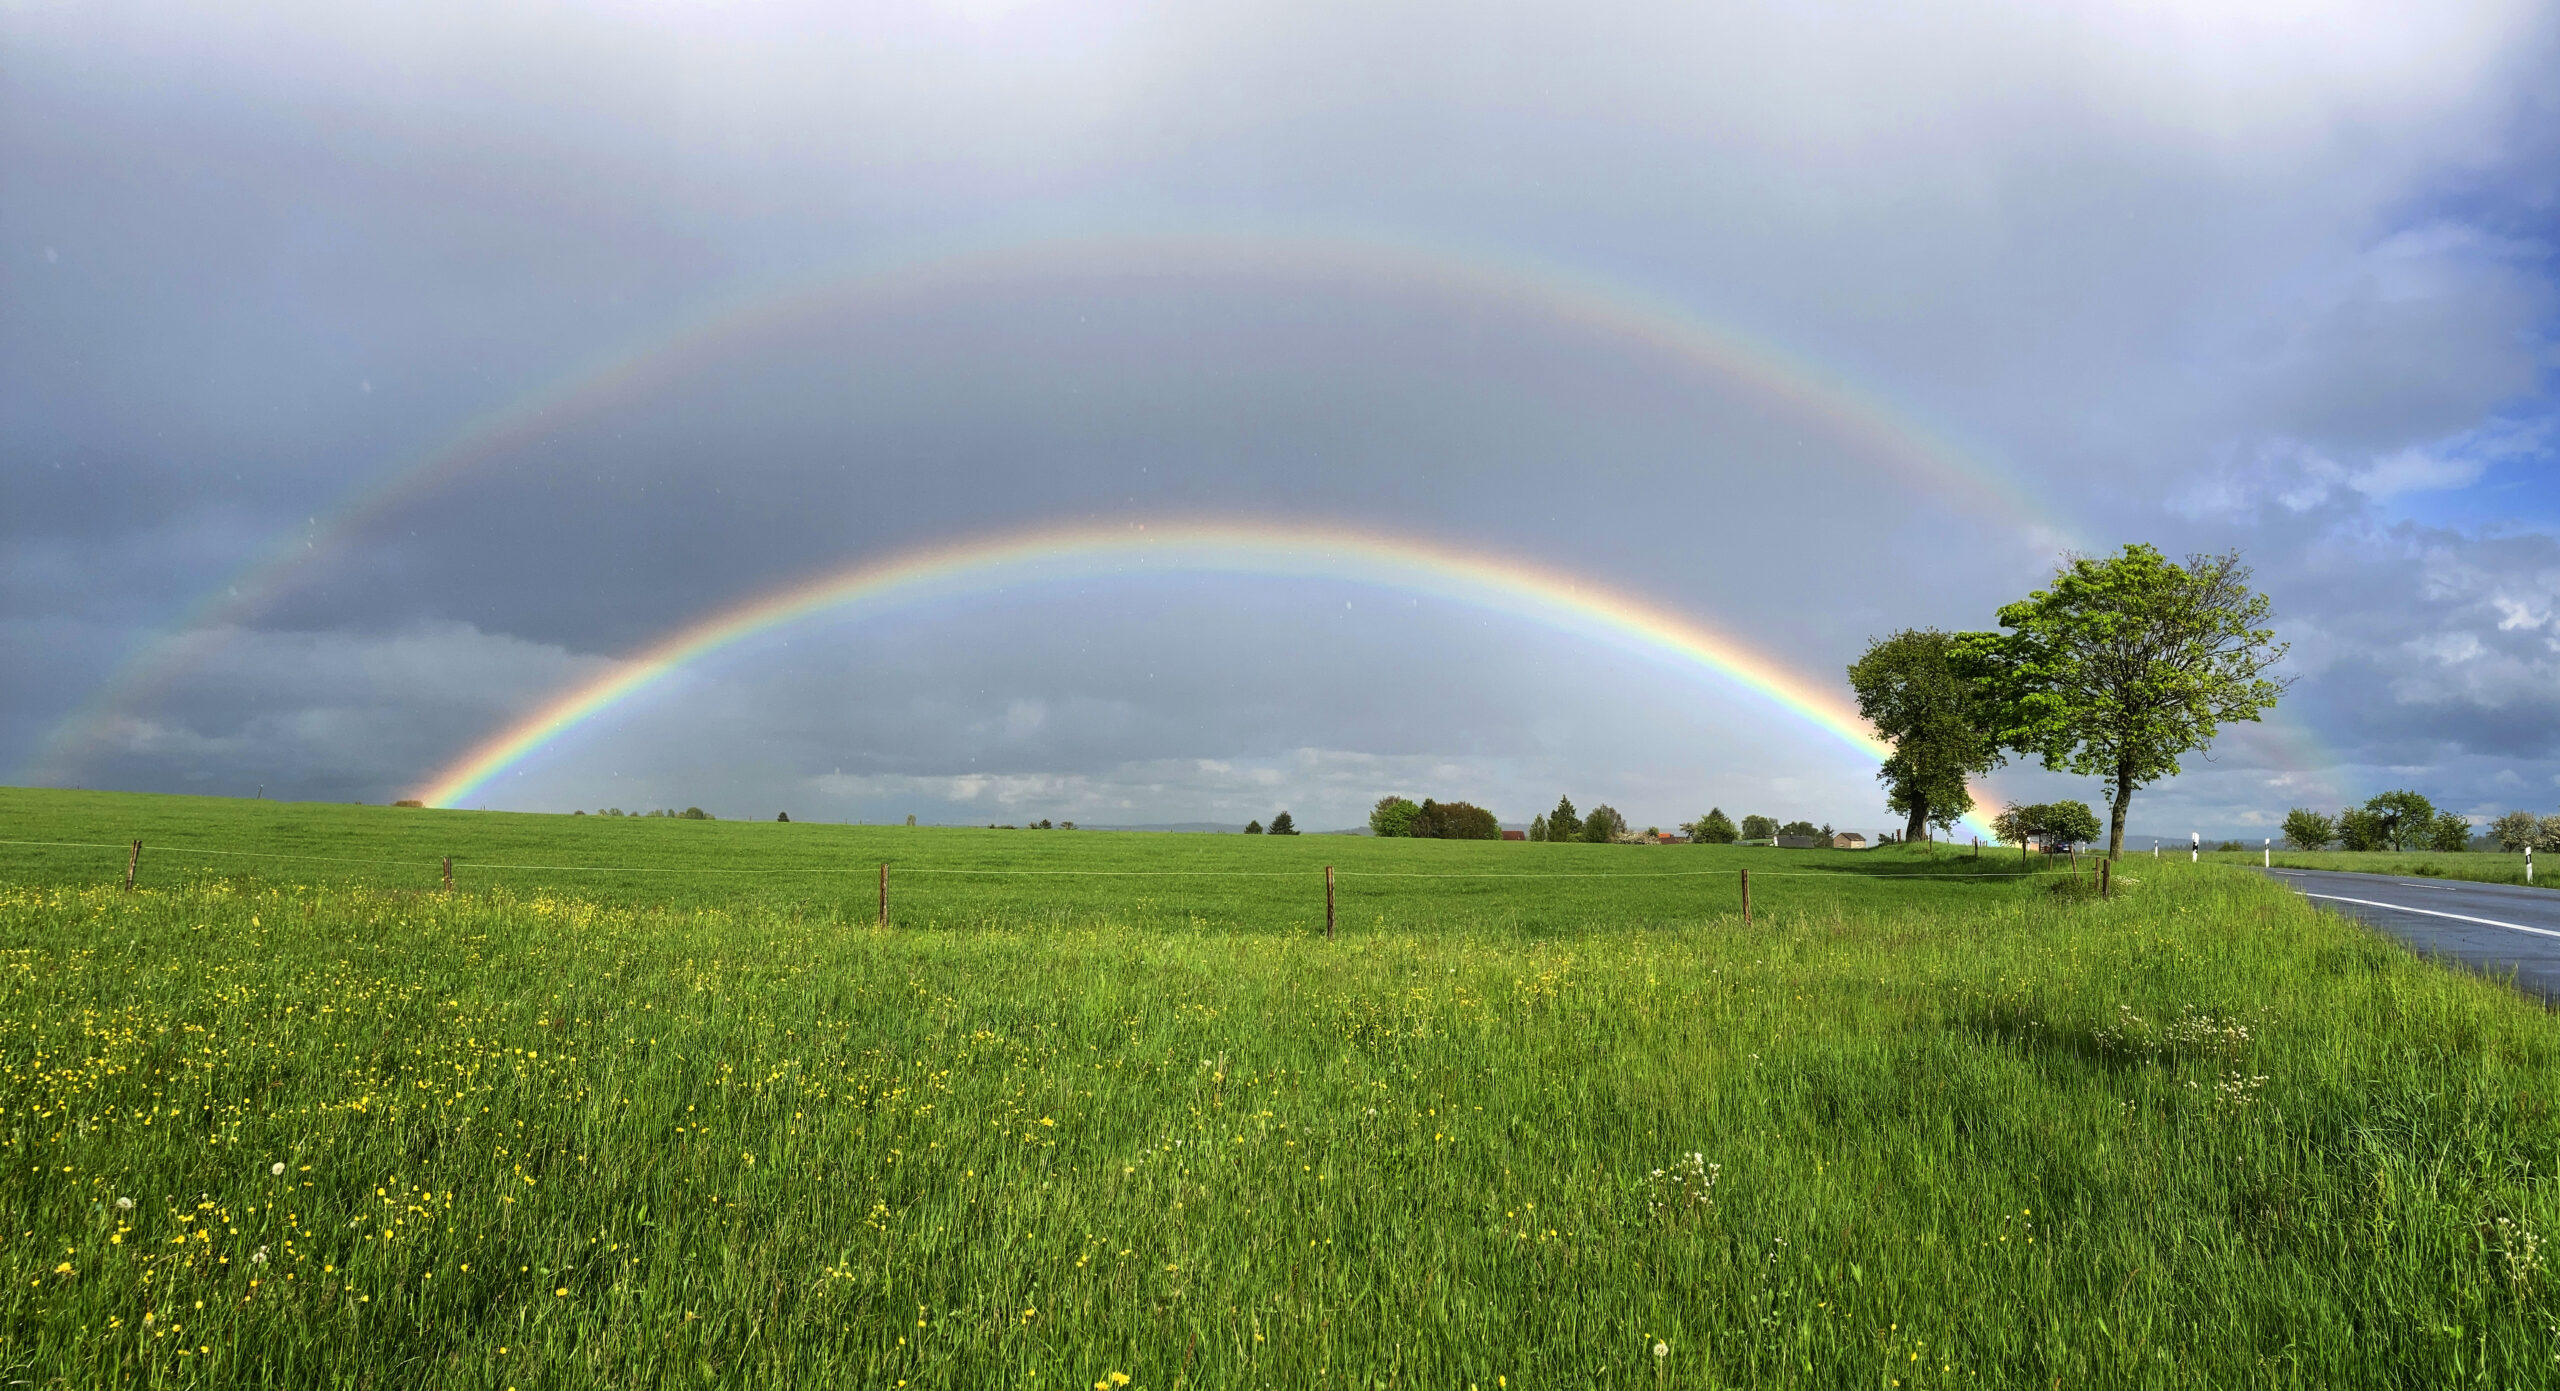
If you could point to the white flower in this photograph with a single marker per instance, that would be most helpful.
(276, 1168)
(124, 1204)
(1662, 1349)
(259, 1257)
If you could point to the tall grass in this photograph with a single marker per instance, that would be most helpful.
(2198, 1135)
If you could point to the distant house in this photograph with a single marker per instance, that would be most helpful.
(1515, 835)
(1848, 840)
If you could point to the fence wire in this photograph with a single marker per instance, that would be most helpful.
(162, 848)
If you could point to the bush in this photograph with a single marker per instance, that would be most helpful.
(1603, 825)
(408, 802)
(1253, 828)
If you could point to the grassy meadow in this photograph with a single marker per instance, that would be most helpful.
(313, 1122)
(2483, 867)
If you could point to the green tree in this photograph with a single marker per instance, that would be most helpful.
(2016, 825)
(2305, 829)
(2359, 829)
(2451, 832)
(1562, 824)
(1283, 825)
(1757, 827)
(2068, 823)
(1455, 821)
(2406, 818)
(1801, 830)
(1603, 825)
(1253, 828)
(1393, 816)
(1538, 827)
(1714, 828)
(1917, 692)
(2125, 664)
(2516, 831)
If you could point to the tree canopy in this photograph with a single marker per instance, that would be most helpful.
(1714, 828)
(1913, 686)
(1283, 825)
(2125, 664)
(1562, 823)
(1393, 816)
(2305, 829)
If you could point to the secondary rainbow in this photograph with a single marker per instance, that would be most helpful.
(1874, 429)
(1509, 585)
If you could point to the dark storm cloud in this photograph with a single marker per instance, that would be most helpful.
(2270, 278)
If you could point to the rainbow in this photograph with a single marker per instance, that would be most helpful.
(1858, 419)
(1505, 584)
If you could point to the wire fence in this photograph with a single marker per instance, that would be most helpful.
(995, 871)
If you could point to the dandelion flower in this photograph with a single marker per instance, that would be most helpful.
(1661, 1349)
(124, 1204)
(276, 1168)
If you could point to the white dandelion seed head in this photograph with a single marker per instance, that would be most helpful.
(1661, 1349)
(124, 1204)
(276, 1168)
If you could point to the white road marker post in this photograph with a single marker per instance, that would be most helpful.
(2195, 846)
(2267, 853)
(2528, 864)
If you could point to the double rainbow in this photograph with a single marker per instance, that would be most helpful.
(1513, 587)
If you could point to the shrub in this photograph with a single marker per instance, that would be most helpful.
(1603, 825)
(408, 802)
(1253, 828)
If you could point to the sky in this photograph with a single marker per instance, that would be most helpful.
(371, 376)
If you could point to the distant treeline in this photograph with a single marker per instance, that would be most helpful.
(2406, 820)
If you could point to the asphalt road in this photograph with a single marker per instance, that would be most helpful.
(2495, 929)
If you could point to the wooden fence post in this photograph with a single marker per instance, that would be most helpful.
(1328, 903)
(884, 893)
(1746, 895)
(2105, 880)
(132, 865)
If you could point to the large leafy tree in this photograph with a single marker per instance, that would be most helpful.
(1602, 826)
(2127, 663)
(1393, 816)
(2407, 819)
(2306, 829)
(1914, 688)
(1714, 828)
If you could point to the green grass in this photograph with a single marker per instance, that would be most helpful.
(2478, 866)
(945, 877)
(1959, 1133)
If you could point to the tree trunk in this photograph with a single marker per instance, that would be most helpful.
(2115, 813)
(1919, 825)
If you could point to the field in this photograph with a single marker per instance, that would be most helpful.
(2487, 867)
(567, 1127)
